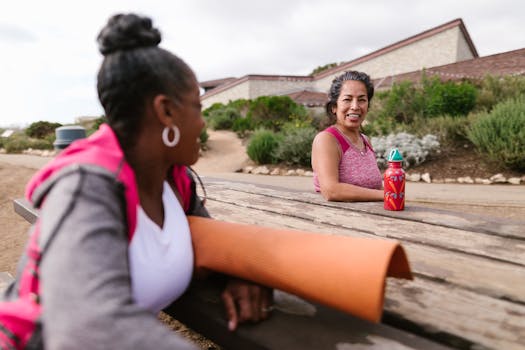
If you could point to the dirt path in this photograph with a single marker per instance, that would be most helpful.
(225, 153)
(13, 228)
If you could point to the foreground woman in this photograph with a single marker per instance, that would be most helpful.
(112, 245)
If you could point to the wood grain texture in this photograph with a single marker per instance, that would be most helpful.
(469, 275)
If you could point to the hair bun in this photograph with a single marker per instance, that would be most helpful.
(126, 32)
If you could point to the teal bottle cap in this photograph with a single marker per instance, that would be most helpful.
(395, 156)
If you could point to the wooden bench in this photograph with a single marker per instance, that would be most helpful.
(468, 291)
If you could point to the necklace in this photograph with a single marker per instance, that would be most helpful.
(361, 151)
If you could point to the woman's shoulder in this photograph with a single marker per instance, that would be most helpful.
(79, 183)
(325, 137)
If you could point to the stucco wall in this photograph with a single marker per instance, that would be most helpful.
(236, 92)
(463, 50)
(282, 86)
(255, 87)
(436, 50)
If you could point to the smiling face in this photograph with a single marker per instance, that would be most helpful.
(352, 105)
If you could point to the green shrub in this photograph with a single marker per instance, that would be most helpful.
(496, 89)
(271, 112)
(241, 105)
(319, 119)
(399, 104)
(20, 142)
(381, 126)
(406, 102)
(296, 146)
(500, 134)
(203, 137)
(320, 69)
(223, 118)
(41, 129)
(449, 97)
(216, 106)
(262, 145)
(242, 126)
(452, 130)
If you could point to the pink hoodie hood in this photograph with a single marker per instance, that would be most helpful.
(103, 149)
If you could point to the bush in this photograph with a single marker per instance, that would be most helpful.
(241, 105)
(216, 106)
(320, 69)
(399, 103)
(271, 112)
(262, 145)
(242, 126)
(203, 137)
(20, 142)
(414, 150)
(500, 134)
(450, 130)
(406, 103)
(223, 118)
(496, 89)
(439, 98)
(41, 129)
(295, 147)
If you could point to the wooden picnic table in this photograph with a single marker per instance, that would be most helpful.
(468, 291)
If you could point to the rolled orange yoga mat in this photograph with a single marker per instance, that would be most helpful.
(342, 272)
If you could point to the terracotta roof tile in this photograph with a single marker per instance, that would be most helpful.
(309, 98)
(214, 83)
(506, 63)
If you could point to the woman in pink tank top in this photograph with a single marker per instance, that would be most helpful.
(343, 160)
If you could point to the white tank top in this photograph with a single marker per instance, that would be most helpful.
(161, 259)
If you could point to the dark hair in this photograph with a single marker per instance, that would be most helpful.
(134, 70)
(337, 83)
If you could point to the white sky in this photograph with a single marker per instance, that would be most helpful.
(49, 58)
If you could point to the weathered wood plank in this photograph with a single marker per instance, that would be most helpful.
(294, 324)
(469, 272)
(23, 208)
(491, 246)
(437, 307)
(447, 301)
(445, 218)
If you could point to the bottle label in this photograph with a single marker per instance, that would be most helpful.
(394, 198)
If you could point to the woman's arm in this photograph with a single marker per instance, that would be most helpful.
(85, 279)
(243, 300)
(326, 155)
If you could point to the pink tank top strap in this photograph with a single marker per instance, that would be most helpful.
(344, 144)
(367, 143)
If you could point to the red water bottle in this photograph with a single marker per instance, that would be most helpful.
(394, 182)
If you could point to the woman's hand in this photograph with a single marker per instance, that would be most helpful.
(246, 301)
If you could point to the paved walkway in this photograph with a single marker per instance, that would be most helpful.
(512, 196)
(494, 195)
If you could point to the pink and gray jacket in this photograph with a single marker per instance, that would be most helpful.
(73, 282)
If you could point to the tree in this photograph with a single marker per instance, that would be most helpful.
(41, 129)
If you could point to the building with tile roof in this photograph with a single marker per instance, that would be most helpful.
(446, 50)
